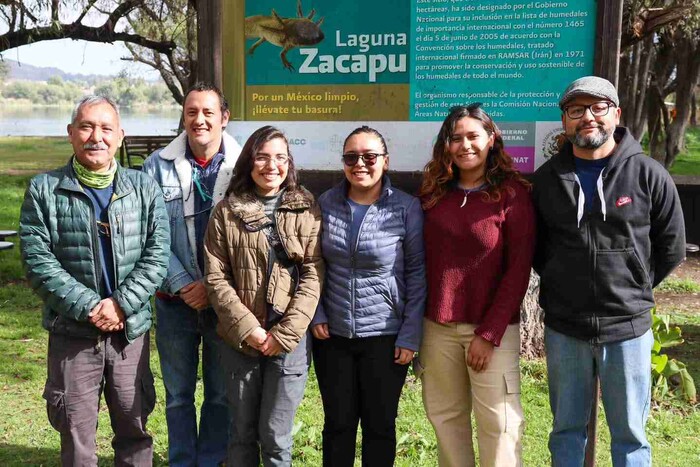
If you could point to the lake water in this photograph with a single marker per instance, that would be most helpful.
(52, 121)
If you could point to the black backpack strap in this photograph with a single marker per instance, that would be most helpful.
(275, 242)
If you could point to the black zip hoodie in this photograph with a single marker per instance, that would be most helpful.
(598, 268)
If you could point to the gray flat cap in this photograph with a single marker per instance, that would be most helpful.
(590, 86)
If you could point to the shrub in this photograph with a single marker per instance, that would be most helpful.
(665, 370)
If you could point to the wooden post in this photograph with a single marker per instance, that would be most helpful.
(209, 58)
(234, 56)
(607, 46)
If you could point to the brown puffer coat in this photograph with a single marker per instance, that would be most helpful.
(237, 251)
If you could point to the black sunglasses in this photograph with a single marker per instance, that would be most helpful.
(369, 158)
(469, 107)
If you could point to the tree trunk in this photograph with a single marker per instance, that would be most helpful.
(657, 139)
(639, 118)
(531, 321)
(687, 72)
(661, 85)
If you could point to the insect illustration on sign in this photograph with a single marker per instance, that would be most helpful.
(284, 32)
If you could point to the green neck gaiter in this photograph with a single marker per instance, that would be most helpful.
(97, 180)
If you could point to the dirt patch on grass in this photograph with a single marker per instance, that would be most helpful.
(689, 269)
(667, 302)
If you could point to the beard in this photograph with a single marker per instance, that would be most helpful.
(593, 140)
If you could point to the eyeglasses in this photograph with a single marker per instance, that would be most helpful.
(369, 158)
(598, 109)
(278, 160)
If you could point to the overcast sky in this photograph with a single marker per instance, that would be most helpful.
(79, 57)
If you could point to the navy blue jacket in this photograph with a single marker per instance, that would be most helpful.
(375, 287)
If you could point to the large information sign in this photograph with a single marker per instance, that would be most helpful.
(324, 67)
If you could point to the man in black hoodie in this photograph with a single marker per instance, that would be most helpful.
(610, 228)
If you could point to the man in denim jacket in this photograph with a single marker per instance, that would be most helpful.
(194, 172)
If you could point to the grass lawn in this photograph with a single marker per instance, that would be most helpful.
(26, 438)
(20, 154)
(688, 162)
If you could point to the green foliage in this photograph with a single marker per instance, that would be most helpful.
(127, 92)
(21, 90)
(4, 71)
(668, 373)
(688, 161)
(678, 286)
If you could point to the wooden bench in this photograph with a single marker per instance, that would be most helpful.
(135, 149)
(4, 245)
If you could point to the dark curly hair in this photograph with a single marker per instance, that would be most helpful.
(440, 172)
(242, 181)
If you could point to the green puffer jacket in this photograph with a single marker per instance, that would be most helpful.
(59, 244)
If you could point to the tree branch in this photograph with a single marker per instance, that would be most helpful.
(18, 6)
(54, 11)
(650, 20)
(13, 39)
(85, 11)
(122, 10)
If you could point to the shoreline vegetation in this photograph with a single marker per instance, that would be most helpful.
(125, 91)
(22, 104)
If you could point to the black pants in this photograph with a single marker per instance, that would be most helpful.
(359, 381)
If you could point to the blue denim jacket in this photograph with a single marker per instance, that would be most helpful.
(173, 172)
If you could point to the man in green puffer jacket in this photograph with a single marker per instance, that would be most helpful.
(95, 242)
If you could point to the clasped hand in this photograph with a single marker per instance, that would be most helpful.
(107, 316)
(194, 295)
(264, 342)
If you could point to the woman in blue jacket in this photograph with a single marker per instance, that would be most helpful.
(368, 324)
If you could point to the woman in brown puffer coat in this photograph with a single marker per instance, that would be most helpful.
(263, 275)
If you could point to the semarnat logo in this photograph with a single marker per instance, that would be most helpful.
(623, 200)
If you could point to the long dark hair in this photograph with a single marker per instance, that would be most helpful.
(242, 182)
(440, 172)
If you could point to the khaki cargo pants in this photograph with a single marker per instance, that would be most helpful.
(451, 390)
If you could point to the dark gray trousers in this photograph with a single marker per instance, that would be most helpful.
(264, 394)
(79, 370)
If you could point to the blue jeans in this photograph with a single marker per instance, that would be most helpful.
(624, 369)
(264, 394)
(179, 332)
